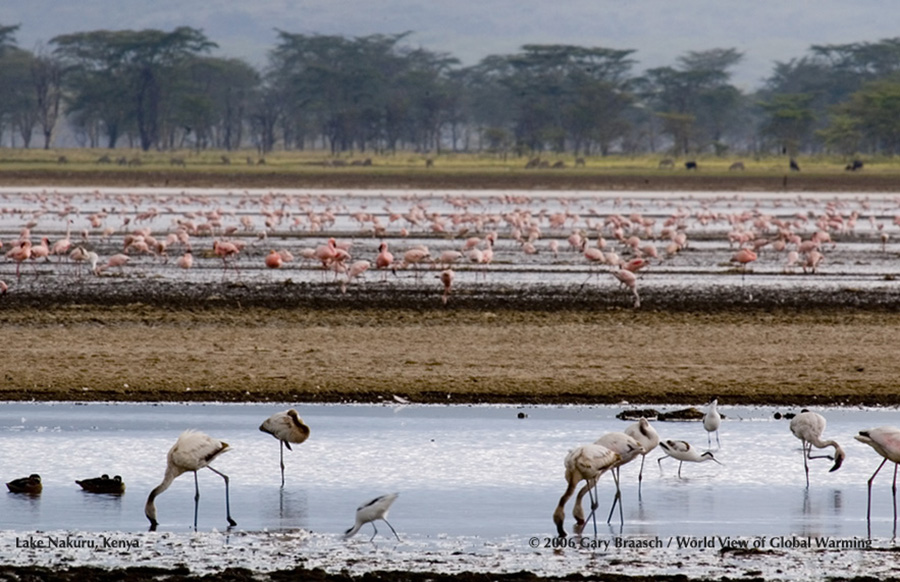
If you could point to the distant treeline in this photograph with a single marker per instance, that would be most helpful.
(163, 90)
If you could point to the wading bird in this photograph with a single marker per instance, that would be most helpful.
(288, 428)
(886, 442)
(683, 451)
(191, 452)
(584, 463)
(628, 449)
(372, 511)
(103, 484)
(808, 427)
(648, 438)
(711, 421)
(30, 485)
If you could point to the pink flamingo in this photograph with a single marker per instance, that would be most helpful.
(226, 250)
(629, 279)
(186, 261)
(743, 256)
(808, 427)
(19, 254)
(446, 277)
(355, 271)
(274, 260)
(384, 260)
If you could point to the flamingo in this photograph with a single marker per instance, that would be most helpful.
(414, 256)
(384, 260)
(743, 256)
(274, 259)
(628, 449)
(103, 484)
(808, 427)
(583, 463)
(886, 442)
(629, 280)
(372, 511)
(355, 271)
(191, 452)
(288, 428)
(446, 277)
(226, 250)
(648, 438)
(30, 485)
(20, 253)
(62, 246)
(186, 261)
(711, 421)
(683, 451)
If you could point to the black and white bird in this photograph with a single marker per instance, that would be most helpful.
(372, 511)
(683, 451)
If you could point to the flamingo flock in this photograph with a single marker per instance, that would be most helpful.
(622, 240)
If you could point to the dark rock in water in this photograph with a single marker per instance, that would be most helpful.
(683, 415)
(636, 414)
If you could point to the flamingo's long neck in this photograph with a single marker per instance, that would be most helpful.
(150, 507)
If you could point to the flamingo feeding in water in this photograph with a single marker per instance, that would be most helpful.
(288, 428)
(191, 452)
(808, 427)
(584, 463)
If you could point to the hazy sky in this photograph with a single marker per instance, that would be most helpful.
(659, 30)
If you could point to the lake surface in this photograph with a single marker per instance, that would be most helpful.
(460, 470)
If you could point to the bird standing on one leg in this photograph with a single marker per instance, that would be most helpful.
(191, 452)
(648, 438)
(288, 428)
(808, 427)
(372, 511)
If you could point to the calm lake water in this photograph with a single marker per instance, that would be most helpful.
(460, 470)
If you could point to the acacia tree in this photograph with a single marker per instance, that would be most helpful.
(695, 100)
(128, 77)
(46, 78)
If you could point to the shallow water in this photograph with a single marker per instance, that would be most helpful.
(460, 470)
(477, 489)
(442, 220)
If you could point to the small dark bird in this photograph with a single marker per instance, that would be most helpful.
(794, 165)
(103, 484)
(31, 485)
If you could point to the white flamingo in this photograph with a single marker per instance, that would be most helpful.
(628, 449)
(648, 438)
(808, 427)
(288, 428)
(584, 463)
(191, 452)
(370, 512)
(886, 442)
